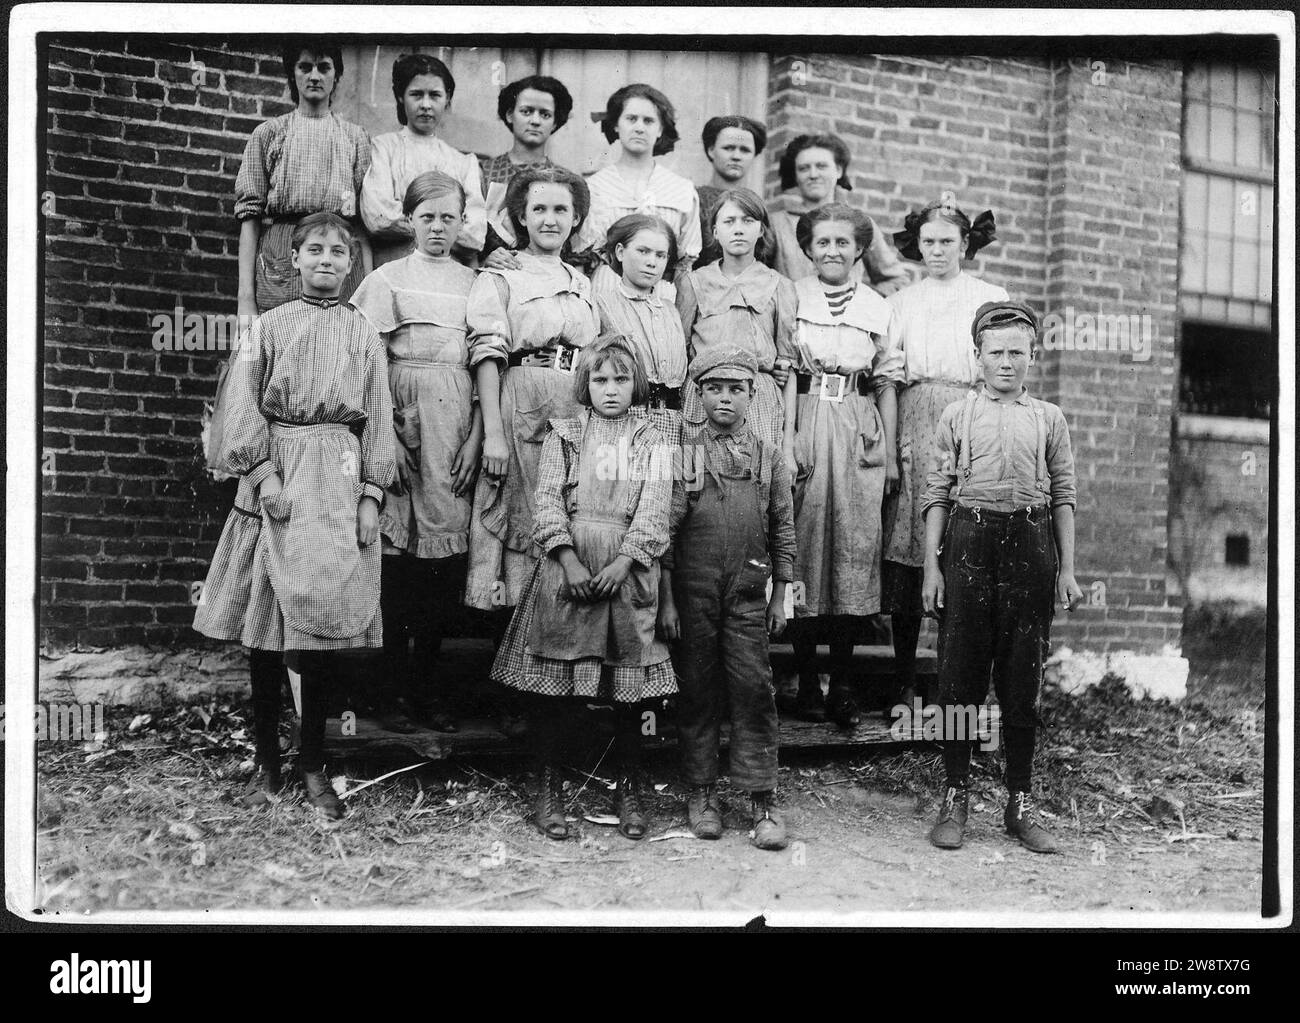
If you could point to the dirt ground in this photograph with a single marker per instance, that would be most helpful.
(1156, 808)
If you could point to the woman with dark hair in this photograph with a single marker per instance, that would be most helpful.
(731, 142)
(534, 109)
(812, 168)
(642, 120)
(309, 160)
(932, 321)
(423, 87)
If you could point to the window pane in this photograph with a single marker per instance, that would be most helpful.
(1223, 84)
(1196, 136)
(1193, 263)
(1248, 140)
(1218, 256)
(1245, 270)
(1222, 147)
(1265, 226)
(1221, 205)
(1249, 93)
(1197, 82)
(1247, 209)
(1194, 186)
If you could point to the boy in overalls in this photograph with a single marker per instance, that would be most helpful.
(732, 523)
(1001, 500)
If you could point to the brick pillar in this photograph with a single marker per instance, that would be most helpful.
(1114, 176)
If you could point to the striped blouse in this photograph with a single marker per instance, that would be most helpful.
(295, 165)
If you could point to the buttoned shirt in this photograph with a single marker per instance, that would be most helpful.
(1004, 474)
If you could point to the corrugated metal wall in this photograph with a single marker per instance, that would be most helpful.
(700, 85)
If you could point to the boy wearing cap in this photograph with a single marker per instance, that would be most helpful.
(1001, 503)
(732, 524)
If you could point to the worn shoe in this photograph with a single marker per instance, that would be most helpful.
(548, 804)
(261, 789)
(321, 794)
(632, 822)
(950, 829)
(703, 813)
(1020, 822)
(512, 725)
(769, 823)
(842, 708)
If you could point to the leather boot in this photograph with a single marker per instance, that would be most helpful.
(769, 823)
(321, 794)
(632, 822)
(548, 804)
(950, 828)
(1020, 822)
(703, 813)
(261, 789)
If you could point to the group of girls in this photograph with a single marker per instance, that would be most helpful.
(506, 372)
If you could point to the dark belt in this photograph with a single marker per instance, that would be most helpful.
(559, 357)
(663, 396)
(1033, 514)
(832, 386)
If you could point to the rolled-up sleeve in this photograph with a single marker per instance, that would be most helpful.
(690, 240)
(787, 304)
(487, 323)
(550, 515)
(473, 232)
(252, 183)
(888, 370)
(884, 269)
(1060, 461)
(943, 474)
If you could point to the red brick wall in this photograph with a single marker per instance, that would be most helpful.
(139, 178)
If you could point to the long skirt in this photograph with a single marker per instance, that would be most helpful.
(432, 408)
(919, 409)
(839, 485)
(501, 551)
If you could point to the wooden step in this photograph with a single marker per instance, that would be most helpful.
(481, 737)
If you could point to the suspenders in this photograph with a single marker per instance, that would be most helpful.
(1043, 481)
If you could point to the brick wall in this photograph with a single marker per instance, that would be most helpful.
(1084, 181)
(139, 176)
(1113, 212)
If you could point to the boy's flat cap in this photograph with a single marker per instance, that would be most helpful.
(1002, 314)
(724, 362)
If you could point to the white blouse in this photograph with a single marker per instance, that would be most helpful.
(932, 327)
(667, 195)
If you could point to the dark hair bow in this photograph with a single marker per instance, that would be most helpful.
(982, 231)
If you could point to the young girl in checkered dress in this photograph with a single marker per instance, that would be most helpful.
(309, 426)
(585, 624)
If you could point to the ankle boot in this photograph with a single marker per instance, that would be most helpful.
(632, 821)
(321, 794)
(769, 824)
(950, 828)
(1020, 822)
(548, 804)
(703, 813)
